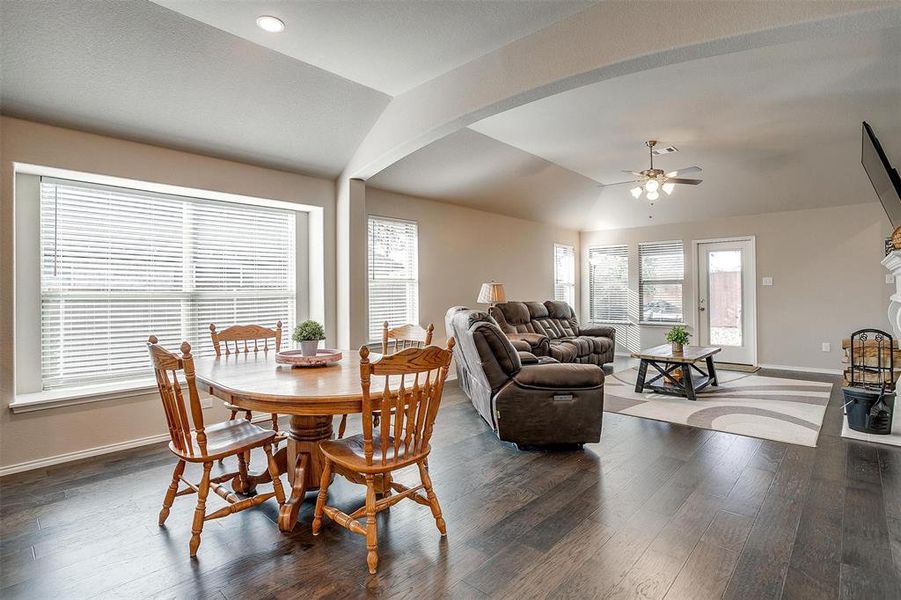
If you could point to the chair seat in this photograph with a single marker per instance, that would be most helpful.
(349, 452)
(225, 439)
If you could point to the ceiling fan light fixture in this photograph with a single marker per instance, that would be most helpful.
(668, 188)
(651, 185)
(653, 195)
(636, 192)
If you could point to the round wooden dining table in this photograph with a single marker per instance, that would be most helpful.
(311, 396)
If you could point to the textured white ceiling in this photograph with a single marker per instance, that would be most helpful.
(776, 128)
(388, 45)
(140, 71)
(474, 170)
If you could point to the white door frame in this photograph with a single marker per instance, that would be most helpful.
(752, 268)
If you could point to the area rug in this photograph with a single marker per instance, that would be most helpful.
(783, 410)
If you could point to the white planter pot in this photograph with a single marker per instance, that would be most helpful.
(309, 348)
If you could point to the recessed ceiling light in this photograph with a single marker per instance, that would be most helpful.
(270, 24)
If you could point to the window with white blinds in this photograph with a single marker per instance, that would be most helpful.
(565, 274)
(608, 283)
(393, 274)
(662, 269)
(118, 265)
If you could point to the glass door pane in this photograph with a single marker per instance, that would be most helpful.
(724, 297)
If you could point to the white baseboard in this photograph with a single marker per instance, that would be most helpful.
(50, 461)
(80, 454)
(802, 369)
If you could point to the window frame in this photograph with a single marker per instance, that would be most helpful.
(371, 330)
(571, 285)
(28, 395)
(669, 281)
(624, 248)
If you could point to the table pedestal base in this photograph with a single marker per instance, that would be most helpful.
(304, 464)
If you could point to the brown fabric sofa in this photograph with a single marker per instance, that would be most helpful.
(551, 329)
(536, 404)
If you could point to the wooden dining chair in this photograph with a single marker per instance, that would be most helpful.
(405, 336)
(239, 339)
(204, 445)
(395, 340)
(401, 440)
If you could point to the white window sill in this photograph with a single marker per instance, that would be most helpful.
(661, 324)
(81, 395)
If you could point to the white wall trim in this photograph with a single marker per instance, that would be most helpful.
(802, 369)
(50, 461)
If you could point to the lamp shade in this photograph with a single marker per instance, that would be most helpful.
(492, 293)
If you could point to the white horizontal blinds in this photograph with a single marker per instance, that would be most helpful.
(118, 265)
(565, 274)
(608, 283)
(662, 269)
(393, 274)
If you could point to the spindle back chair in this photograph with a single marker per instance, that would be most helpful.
(405, 336)
(401, 439)
(237, 339)
(394, 340)
(192, 441)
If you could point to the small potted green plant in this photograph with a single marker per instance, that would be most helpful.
(678, 337)
(308, 335)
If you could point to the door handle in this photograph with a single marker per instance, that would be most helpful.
(701, 308)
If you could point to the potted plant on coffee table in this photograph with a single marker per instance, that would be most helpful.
(678, 337)
(308, 335)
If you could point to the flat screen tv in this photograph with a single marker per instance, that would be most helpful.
(882, 175)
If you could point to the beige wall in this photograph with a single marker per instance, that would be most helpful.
(825, 263)
(460, 248)
(36, 435)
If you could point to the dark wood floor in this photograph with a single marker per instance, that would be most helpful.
(653, 511)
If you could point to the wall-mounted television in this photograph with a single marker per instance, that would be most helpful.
(883, 176)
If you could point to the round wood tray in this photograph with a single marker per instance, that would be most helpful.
(295, 358)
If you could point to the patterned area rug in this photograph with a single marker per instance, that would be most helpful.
(783, 410)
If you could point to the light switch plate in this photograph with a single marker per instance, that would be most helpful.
(767, 281)
(826, 347)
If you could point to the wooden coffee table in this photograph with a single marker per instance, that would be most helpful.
(693, 379)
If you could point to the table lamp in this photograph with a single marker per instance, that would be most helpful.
(492, 293)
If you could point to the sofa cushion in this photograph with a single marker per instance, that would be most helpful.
(563, 351)
(515, 313)
(537, 310)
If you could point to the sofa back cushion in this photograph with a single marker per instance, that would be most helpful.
(524, 317)
(563, 318)
(551, 318)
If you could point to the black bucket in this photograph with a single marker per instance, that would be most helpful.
(869, 411)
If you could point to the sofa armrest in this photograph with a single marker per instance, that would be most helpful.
(521, 345)
(560, 376)
(527, 358)
(539, 345)
(597, 330)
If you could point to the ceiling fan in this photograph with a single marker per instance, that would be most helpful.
(651, 180)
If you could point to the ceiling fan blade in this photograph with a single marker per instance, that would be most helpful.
(682, 180)
(685, 171)
(636, 173)
(621, 182)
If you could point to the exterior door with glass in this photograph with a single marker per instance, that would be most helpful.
(727, 299)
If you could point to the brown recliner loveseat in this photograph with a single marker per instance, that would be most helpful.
(528, 401)
(551, 329)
